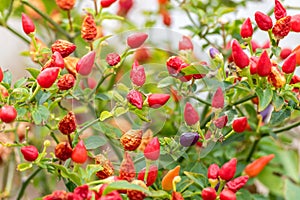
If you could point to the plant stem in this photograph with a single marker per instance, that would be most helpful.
(70, 20)
(37, 89)
(96, 7)
(201, 100)
(289, 127)
(243, 100)
(148, 162)
(88, 125)
(99, 84)
(17, 34)
(252, 150)
(27, 181)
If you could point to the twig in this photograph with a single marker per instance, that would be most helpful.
(289, 127)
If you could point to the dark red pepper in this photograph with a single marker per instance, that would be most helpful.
(107, 3)
(209, 194)
(135, 98)
(79, 154)
(246, 29)
(239, 125)
(227, 195)
(289, 64)
(213, 171)
(279, 10)
(137, 74)
(240, 58)
(27, 24)
(47, 77)
(227, 171)
(191, 116)
(263, 21)
(30, 153)
(157, 100)
(264, 64)
(237, 183)
(152, 175)
(218, 99)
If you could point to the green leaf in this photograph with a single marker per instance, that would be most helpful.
(43, 97)
(34, 72)
(160, 194)
(264, 97)
(91, 170)
(272, 182)
(280, 116)
(24, 166)
(141, 115)
(199, 179)
(291, 190)
(67, 174)
(40, 114)
(194, 69)
(7, 77)
(165, 82)
(277, 102)
(19, 95)
(105, 115)
(290, 162)
(20, 82)
(94, 142)
(103, 96)
(120, 111)
(124, 185)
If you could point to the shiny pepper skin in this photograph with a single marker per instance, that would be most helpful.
(254, 168)
(152, 175)
(66, 82)
(136, 40)
(246, 29)
(131, 140)
(263, 21)
(64, 47)
(237, 183)
(63, 151)
(240, 58)
(88, 28)
(185, 44)
(239, 125)
(27, 24)
(285, 52)
(107, 3)
(295, 23)
(57, 60)
(174, 65)
(112, 59)
(8, 114)
(227, 171)
(279, 10)
(276, 77)
(79, 154)
(167, 180)
(85, 65)
(209, 194)
(221, 122)
(47, 77)
(135, 98)
(253, 65)
(30, 153)
(213, 171)
(218, 99)
(65, 4)
(189, 139)
(227, 195)
(68, 124)
(282, 27)
(157, 100)
(289, 64)
(137, 74)
(1, 75)
(127, 169)
(264, 64)
(191, 116)
(152, 150)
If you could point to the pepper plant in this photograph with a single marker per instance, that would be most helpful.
(131, 114)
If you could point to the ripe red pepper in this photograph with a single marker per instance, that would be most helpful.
(177, 196)
(47, 77)
(227, 171)
(85, 65)
(209, 194)
(57, 60)
(167, 20)
(157, 100)
(263, 21)
(218, 99)
(240, 58)
(282, 27)
(136, 40)
(285, 52)
(221, 121)
(124, 7)
(295, 23)
(185, 44)
(227, 195)
(289, 64)
(8, 114)
(127, 169)
(1, 75)
(152, 150)
(239, 125)
(30, 153)
(152, 175)
(135, 98)
(264, 64)
(107, 3)
(112, 59)
(237, 183)
(27, 24)
(279, 10)
(253, 65)
(191, 116)
(79, 154)
(254, 168)
(246, 29)
(137, 74)
(174, 65)
(213, 171)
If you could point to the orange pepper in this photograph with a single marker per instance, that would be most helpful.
(254, 168)
(166, 182)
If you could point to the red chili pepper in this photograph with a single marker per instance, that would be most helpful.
(264, 64)
(174, 65)
(221, 122)
(136, 40)
(213, 171)
(177, 196)
(8, 114)
(85, 65)
(227, 171)
(185, 44)
(237, 183)
(227, 195)
(152, 150)
(47, 77)
(107, 3)
(137, 74)
(209, 194)
(285, 52)
(142, 54)
(112, 59)
(152, 175)
(279, 10)
(282, 27)
(218, 99)
(157, 100)
(167, 20)
(254, 45)
(64, 47)
(135, 98)
(254, 168)
(30, 153)
(295, 23)
(246, 29)
(124, 7)
(263, 21)
(79, 154)
(253, 65)
(1, 75)
(289, 64)
(240, 58)
(191, 116)
(57, 60)
(127, 169)
(27, 24)
(239, 125)
(187, 77)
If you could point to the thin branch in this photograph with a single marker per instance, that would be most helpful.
(289, 127)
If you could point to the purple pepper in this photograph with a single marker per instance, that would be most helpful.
(188, 139)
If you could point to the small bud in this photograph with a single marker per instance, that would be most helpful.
(30, 153)
(86, 63)
(246, 29)
(213, 52)
(191, 116)
(27, 24)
